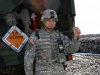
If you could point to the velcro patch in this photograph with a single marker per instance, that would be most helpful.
(32, 41)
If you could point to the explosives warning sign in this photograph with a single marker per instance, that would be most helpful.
(15, 38)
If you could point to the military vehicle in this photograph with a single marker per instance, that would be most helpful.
(11, 62)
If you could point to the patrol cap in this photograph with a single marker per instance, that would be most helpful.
(48, 14)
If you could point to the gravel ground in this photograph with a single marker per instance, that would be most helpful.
(81, 64)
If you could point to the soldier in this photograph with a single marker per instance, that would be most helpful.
(48, 47)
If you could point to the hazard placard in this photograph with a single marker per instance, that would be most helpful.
(15, 38)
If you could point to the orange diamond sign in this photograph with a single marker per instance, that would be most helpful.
(15, 38)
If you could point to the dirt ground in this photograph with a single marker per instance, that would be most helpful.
(84, 65)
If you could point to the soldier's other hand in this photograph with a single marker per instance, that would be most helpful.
(77, 32)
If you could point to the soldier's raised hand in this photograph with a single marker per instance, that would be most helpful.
(77, 32)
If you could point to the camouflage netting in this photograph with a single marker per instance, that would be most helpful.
(87, 60)
(89, 45)
(84, 65)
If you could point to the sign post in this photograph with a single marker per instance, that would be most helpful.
(15, 38)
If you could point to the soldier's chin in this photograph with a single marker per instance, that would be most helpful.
(49, 28)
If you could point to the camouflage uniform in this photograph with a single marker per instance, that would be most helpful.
(22, 20)
(12, 17)
(45, 52)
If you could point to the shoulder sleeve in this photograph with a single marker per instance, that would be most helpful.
(29, 56)
(34, 38)
(70, 46)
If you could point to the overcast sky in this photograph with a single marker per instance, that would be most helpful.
(88, 16)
